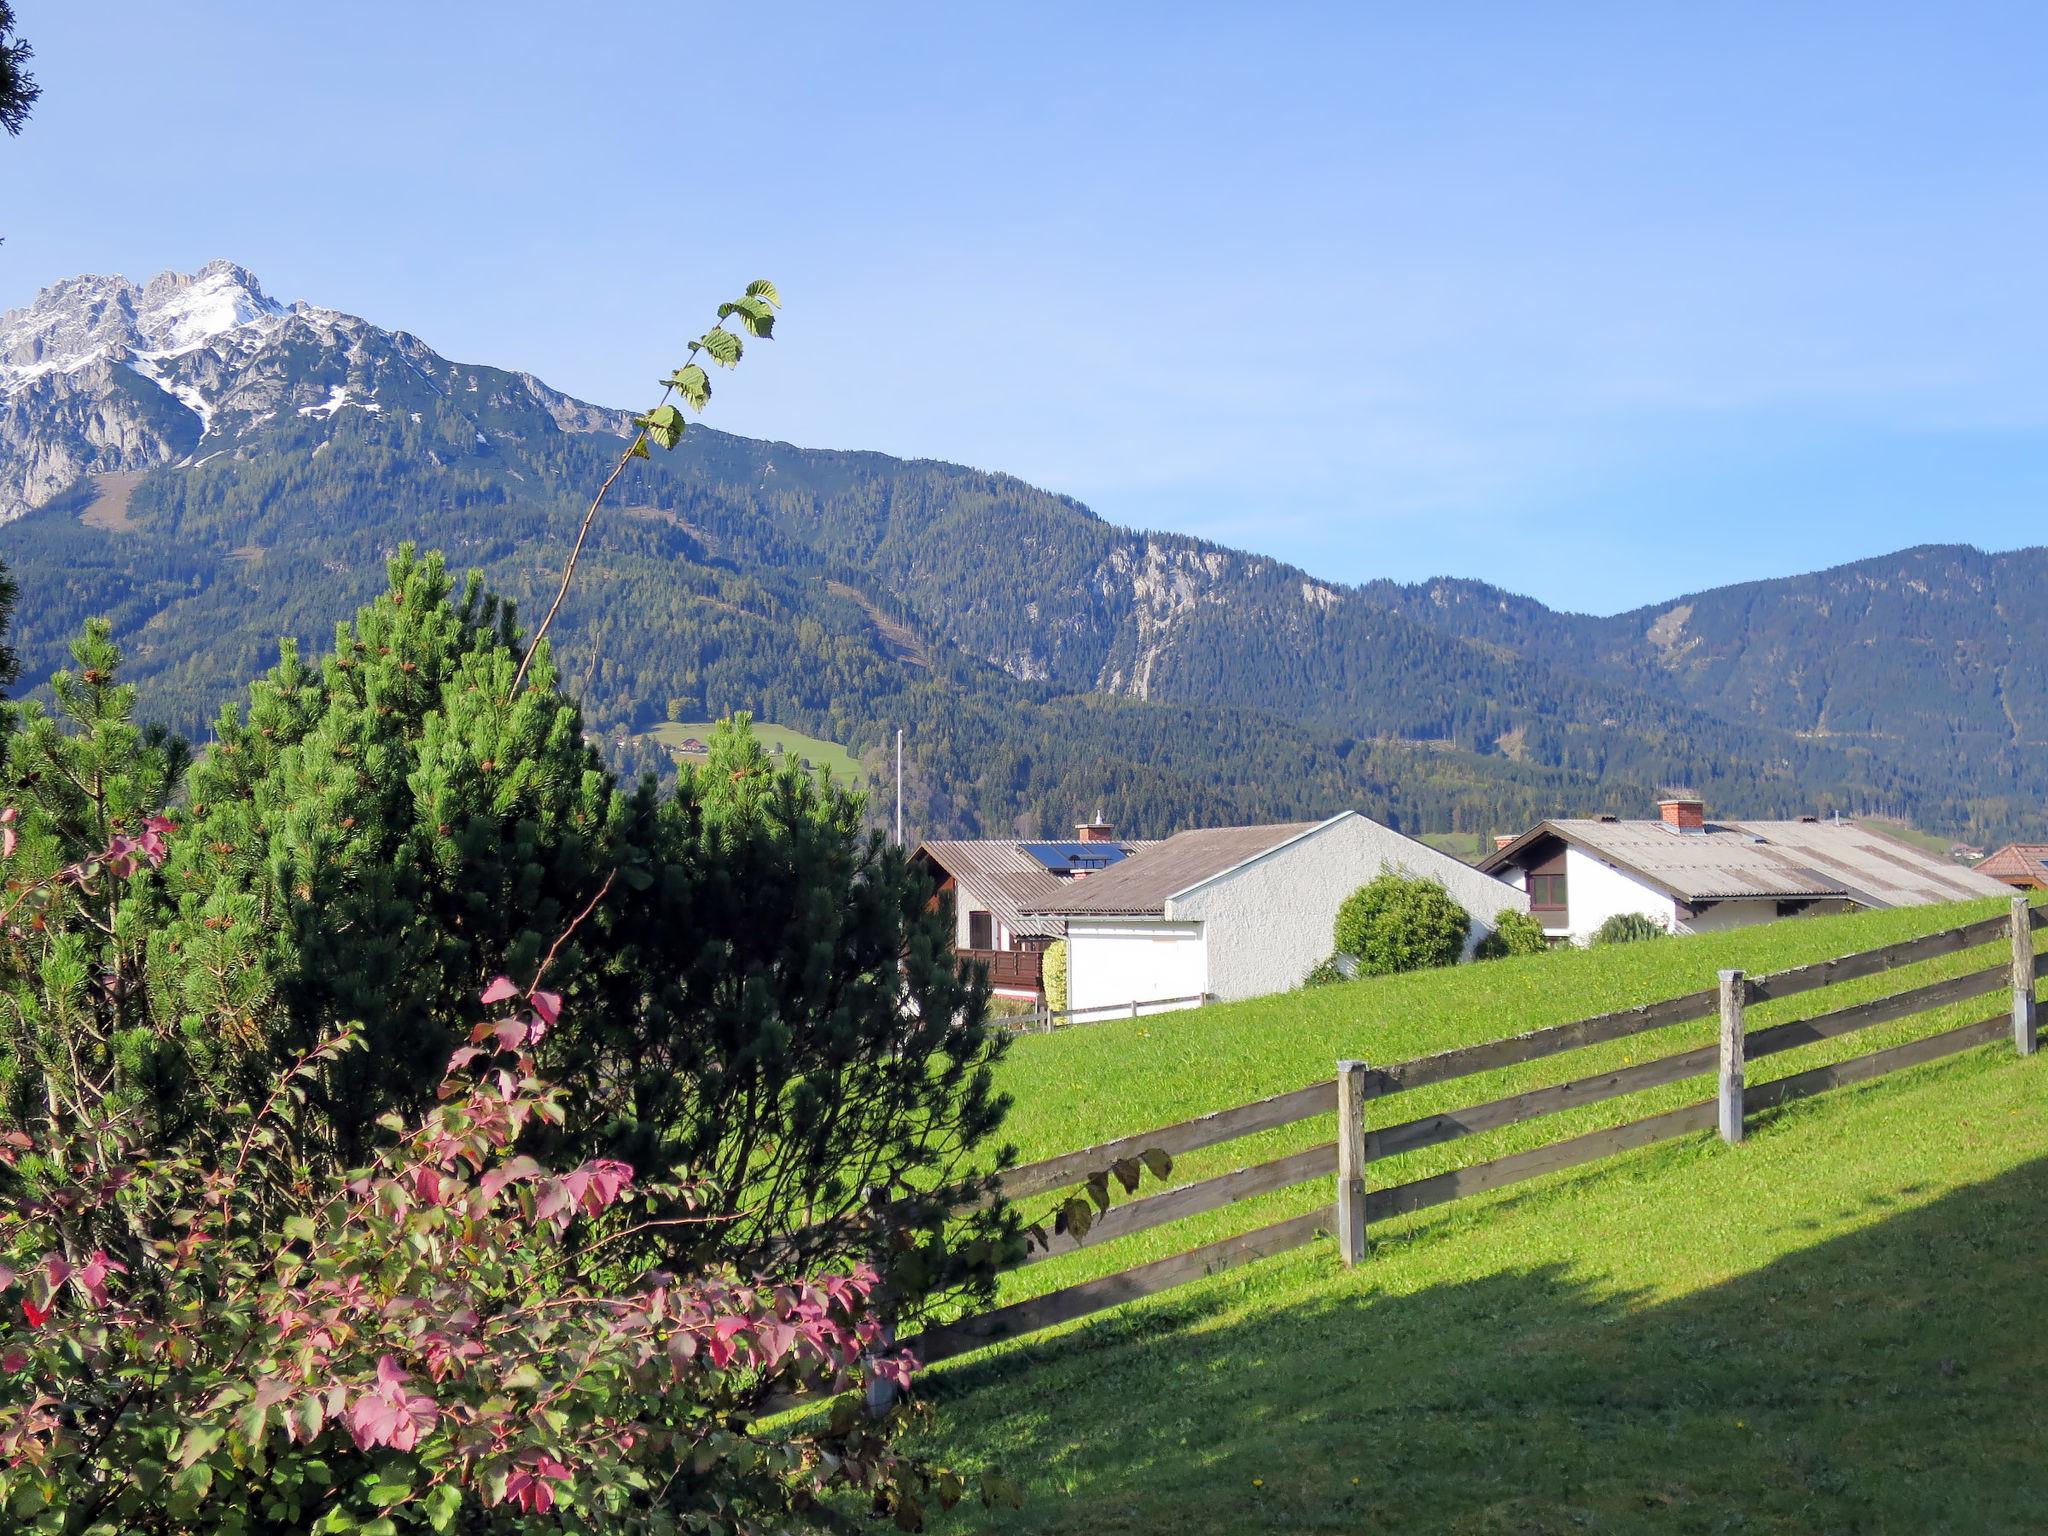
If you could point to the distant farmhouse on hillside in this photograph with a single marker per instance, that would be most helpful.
(1691, 875)
(1212, 914)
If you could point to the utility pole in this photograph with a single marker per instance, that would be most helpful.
(899, 786)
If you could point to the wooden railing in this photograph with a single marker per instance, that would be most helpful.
(1008, 967)
(1358, 1085)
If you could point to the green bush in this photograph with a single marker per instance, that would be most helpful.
(1398, 922)
(1055, 975)
(1326, 973)
(1514, 933)
(1628, 928)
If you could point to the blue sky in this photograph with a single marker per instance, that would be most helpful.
(1603, 303)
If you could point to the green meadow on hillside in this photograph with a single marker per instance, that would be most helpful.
(819, 753)
(1834, 1326)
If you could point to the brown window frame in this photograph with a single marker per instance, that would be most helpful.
(1556, 895)
(986, 923)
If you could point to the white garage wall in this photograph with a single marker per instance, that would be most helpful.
(1272, 919)
(1723, 915)
(1113, 962)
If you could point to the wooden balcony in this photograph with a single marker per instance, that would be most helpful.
(1017, 969)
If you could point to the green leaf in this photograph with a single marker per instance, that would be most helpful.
(721, 346)
(1156, 1160)
(1098, 1188)
(664, 424)
(754, 315)
(639, 449)
(761, 288)
(1127, 1173)
(199, 1441)
(693, 384)
(300, 1229)
(443, 1503)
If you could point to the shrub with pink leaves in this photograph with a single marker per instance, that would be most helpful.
(214, 1337)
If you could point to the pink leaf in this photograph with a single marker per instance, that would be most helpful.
(499, 990)
(548, 1005)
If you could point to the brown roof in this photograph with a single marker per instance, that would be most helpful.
(1140, 885)
(1786, 859)
(2024, 861)
(1006, 880)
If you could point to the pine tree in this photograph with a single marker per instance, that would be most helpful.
(795, 1031)
(73, 969)
(378, 838)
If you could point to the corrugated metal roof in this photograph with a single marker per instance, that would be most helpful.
(1140, 885)
(1731, 860)
(1000, 877)
(2021, 861)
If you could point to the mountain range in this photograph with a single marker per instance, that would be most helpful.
(212, 468)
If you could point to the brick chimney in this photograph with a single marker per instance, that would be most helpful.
(1502, 839)
(1096, 831)
(1683, 812)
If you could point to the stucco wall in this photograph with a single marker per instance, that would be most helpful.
(964, 902)
(1271, 921)
(1112, 962)
(1594, 892)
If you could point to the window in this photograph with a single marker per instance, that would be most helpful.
(1546, 891)
(980, 931)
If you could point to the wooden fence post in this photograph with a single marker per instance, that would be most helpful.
(2022, 977)
(1351, 1161)
(1734, 991)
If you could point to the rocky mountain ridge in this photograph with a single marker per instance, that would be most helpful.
(278, 452)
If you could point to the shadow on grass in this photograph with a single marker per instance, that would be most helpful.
(1892, 1379)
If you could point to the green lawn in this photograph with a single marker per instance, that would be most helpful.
(819, 753)
(1837, 1326)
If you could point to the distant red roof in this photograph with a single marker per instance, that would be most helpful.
(2017, 861)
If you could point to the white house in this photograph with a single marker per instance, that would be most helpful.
(1690, 875)
(991, 882)
(1230, 912)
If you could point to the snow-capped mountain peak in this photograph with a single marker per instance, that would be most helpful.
(173, 313)
(101, 375)
(84, 320)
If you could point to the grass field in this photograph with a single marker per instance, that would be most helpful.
(1470, 847)
(819, 753)
(1837, 1326)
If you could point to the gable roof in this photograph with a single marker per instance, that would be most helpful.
(2020, 861)
(1007, 880)
(1732, 860)
(1143, 883)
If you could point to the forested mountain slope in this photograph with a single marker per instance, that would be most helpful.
(1040, 658)
(1933, 659)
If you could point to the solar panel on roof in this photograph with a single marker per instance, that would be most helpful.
(1075, 858)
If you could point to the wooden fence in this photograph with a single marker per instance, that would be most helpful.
(1359, 1086)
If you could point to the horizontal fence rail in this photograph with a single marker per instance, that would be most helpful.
(1044, 1021)
(1358, 1087)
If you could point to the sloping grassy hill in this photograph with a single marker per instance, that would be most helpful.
(827, 756)
(1838, 1325)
